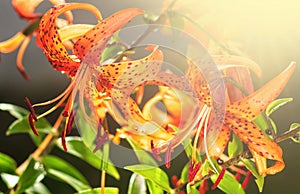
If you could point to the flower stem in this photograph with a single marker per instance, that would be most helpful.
(44, 148)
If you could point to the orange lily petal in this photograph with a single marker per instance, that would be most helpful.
(243, 78)
(25, 8)
(239, 118)
(51, 41)
(103, 31)
(225, 61)
(253, 105)
(217, 140)
(261, 162)
(12, 44)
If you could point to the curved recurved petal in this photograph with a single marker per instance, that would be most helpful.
(243, 78)
(51, 41)
(129, 74)
(98, 36)
(225, 61)
(25, 8)
(12, 44)
(251, 106)
(73, 31)
(200, 85)
(251, 135)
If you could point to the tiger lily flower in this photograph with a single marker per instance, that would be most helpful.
(25, 9)
(239, 116)
(52, 40)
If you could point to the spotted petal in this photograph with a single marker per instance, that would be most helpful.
(51, 41)
(239, 116)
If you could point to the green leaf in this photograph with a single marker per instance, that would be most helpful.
(252, 168)
(191, 189)
(261, 122)
(143, 156)
(137, 184)
(276, 104)
(107, 190)
(16, 111)
(154, 174)
(10, 180)
(32, 174)
(185, 172)
(38, 188)
(153, 188)
(235, 147)
(7, 164)
(22, 126)
(228, 184)
(273, 125)
(296, 137)
(188, 147)
(77, 148)
(64, 171)
(75, 183)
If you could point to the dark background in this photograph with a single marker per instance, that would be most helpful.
(269, 32)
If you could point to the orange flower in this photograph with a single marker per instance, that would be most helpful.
(240, 114)
(25, 8)
(86, 38)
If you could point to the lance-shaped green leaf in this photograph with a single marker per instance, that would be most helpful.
(259, 180)
(22, 126)
(16, 111)
(235, 147)
(185, 172)
(38, 188)
(61, 170)
(228, 184)
(7, 164)
(276, 104)
(77, 148)
(10, 180)
(107, 190)
(32, 174)
(153, 188)
(137, 184)
(151, 173)
(191, 189)
(143, 156)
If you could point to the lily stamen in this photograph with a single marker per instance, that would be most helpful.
(30, 107)
(220, 177)
(31, 123)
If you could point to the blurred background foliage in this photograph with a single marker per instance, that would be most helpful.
(268, 31)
